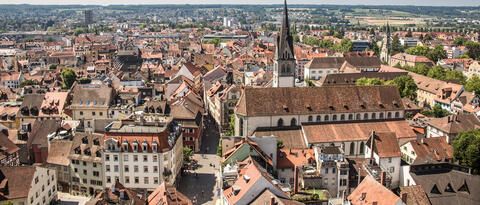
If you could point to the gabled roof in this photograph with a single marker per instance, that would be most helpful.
(370, 192)
(167, 195)
(267, 196)
(414, 195)
(17, 180)
(314, 100)
(385, 144)
(456, 123)
(358, 131)
(434, 149)
(58, 152)
(246, 180)
(325, 63)
(448, 186)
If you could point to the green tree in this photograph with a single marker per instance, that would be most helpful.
(52, 67)
(438, 111)
(473, 85)
(436, 72)
(187, 154)
(459, 41)
(455, 76)
(418, 50)
(344, 46)
(215, 41)
(68, 77)
(396, 45)
(231, 126)
(466, 149)
(406, 86)
(368, 81)
(437, 54)
(473, 49)
(421, 69)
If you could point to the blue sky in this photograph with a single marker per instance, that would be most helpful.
(356, 2)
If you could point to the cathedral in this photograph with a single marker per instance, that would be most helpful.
(284, 63)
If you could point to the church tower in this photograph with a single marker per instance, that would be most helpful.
(284, 63)
(387, 46)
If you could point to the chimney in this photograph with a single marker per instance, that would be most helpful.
(404, 198)
(272, 200)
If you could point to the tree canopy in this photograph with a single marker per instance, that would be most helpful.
(466, 148)
(405, 84)
(68, 77)
(473, 85)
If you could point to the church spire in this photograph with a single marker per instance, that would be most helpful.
(285, 39)
(284, 64)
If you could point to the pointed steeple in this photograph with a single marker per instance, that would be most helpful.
(285, 39)
(284, 65)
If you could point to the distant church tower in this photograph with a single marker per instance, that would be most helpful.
(284, 62)
(386, 46)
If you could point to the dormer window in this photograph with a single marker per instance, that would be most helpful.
(135, 146)
(154, 146)
(96, 142)
(77, 150)
(85, 140)
(144, 147)
(125, 146)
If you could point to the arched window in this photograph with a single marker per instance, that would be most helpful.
(310, 118)
(352, 148)
(359, 117)
(362, 148)
(397, 114)
(374, 115)
(381, 115)
(319, 118)
(389, 115)
(350, 116)
(326, 118)
(342, 117)
(365, 116)
(334, 118)
(293, 122)
(280, 122)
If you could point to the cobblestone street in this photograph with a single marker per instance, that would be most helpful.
(201, 183)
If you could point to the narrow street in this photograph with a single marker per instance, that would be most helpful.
(201, 183)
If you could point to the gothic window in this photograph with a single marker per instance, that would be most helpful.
(334, 118)
(374, 115)
(389, 115)
(310, 118)
(326, 118)
(350, 116)
(352, 148)
(319, 118)
(342, 117)
(381, 115)
(280, 122)
(365, 116)
(397, 114)
(241, 126)
(358, 116)
(293, 122)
